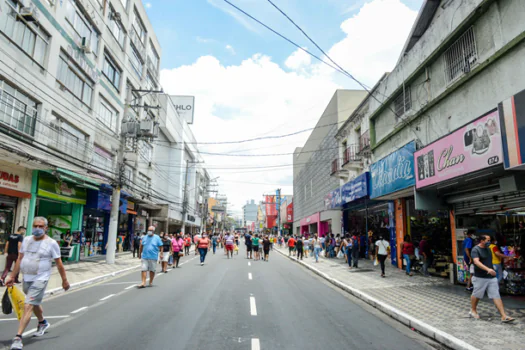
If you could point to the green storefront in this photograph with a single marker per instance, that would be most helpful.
(60, 196)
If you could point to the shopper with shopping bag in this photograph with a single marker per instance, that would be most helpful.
(35, 260)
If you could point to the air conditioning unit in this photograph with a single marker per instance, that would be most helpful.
(115, 16)
(29, 13)
(85, 46)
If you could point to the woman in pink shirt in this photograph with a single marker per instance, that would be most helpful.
(177, 243)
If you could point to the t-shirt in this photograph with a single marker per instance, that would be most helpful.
(495, 259)
(266, 244)
(176, 244)
(383, 245)
(485, 257)
(255, 241)
(299, 244)
(229, 240)
(14, 239)
(38, 258)
(150, 247)
(136, 241)
(214, 239)
(166, 245)
(408, 248)
(204, 242)
(424, 247)
(187, 241)
(467, 243)
(291, 242)
(316, 243)
(248, 239)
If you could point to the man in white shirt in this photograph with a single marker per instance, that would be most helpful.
(35, 261)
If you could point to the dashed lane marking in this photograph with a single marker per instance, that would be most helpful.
(78, 310)
(253, 307)
(249, 275)
(106, 298)
(256, 345)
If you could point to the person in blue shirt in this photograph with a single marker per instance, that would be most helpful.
(214, 239)
(149, 251)
(468, 243)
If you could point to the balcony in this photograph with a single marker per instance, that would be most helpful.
(364, 143)
(139, 45)
(352, 158)
(68, 144)
(337, 171)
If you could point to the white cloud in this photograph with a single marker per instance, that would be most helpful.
(259, 97)
(230, 49)
(298, 59)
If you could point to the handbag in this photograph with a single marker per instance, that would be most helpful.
(181, 254)
(7, 307)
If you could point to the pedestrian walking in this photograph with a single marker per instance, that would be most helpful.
(266, 244)
(355, 251)
(166, 253)
(306, 247)
(382, 250)
(136, 244)
(497, 259)
(426, 250)
(214, 242)
(316, 243)
(176, 247)
(468, 244)
(12, 248)
(229, 241)
(408, 250)
(35, 259)
(347, 247)
(255, 246)
(149, 253)
(299, 248)
(485, 280)
(248, 243)
(203, 246)
(291, 246)
(187, 244)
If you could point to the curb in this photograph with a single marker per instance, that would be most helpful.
(412, 322)
(93, 280)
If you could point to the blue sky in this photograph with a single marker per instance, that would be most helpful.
(188, 29)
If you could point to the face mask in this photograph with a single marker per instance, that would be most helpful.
(38, 232)
(150, 233)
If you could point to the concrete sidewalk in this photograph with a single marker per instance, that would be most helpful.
(431, 305)
(89, 271)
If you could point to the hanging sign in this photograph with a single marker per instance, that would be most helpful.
(51, 187)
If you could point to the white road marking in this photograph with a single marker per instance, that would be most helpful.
(253, 307)
(78, 310)
(33, 318)
(249, 275)
(106, 298)
(169, 269)
(25, 334)
(132, 286)
(115, 283)
(249, 263)
(256, 345)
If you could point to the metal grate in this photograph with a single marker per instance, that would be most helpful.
(403, 102)
(461, 56)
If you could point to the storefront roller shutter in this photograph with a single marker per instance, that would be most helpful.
(487, 201)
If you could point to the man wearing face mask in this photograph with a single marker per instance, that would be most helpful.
(485, 279)
(35, 260)
(149, 252)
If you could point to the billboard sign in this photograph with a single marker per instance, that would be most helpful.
(185, 106)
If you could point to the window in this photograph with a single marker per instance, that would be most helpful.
(17, 110)
(461, 56)
(139, 28)
(146, 151)
(311, 188)
(111, 71)
(403, 102)
(144, 183)
(124, 3)
(128, 174)
(30, 37)
(116, 28)
(153, 59)
(136, 62)
(72, 78)
(102, 159)
(80, 27)
(108, 115)
(66, 137)
(150, 82)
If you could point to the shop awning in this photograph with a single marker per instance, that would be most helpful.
(78, 178)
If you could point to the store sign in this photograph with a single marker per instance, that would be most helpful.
(394, 172)
(14, 178)
(51, 187)
(355, 189)
(512, 119)
(190, 218)
(473, 147)
(185, 106)
(312, 219)
(289, 212)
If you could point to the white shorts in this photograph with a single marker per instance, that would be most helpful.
(485, 284)
(166, 257)
(149, 265)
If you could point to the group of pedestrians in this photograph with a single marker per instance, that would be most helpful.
(257, 242)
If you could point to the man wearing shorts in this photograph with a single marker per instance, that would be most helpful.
(149, 251)
(484, 279)
(291, 246)
(229, 240)
(248, 242)
(468, 243)
(35, 261)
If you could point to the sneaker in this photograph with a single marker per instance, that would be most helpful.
(17, 343)
(202, 264)
(469, 289)
(42, 327)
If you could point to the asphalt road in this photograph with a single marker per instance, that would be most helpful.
(225, 304)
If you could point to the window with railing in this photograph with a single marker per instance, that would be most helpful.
(144, 183)
(403, 102)
(153, 59)
(461, 56)
(352, 154)
(80, 27)
(116, 27)
(136, 62)
(108, 115)
(364, 140)
(139, 28)
(30, 37)
(111, 71)
(74, 79)
(65, 137)
(17, 110)
(146, 151)
(151, 84)
(335, 166)
(102, 160)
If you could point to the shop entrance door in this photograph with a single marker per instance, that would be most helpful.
(7, 217)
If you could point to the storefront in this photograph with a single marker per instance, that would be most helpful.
(463, 173)
(310, 225)
(15, 195)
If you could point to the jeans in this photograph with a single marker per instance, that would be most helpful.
(499, 272)
(382, 259)
(300, 253)
(203, 252)
(187, 250)
(349, 256)
(214, 247)
(409, 262)
(317, 251)
(426, 263)
(355, 257)
(9, 261)
(176, 258)
(332, 251)
(135, 250)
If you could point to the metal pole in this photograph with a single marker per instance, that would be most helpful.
(185, 200)
(115, 199)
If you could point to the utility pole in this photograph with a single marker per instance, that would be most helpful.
(185, 199)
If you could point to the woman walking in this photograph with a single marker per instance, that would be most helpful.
(299, 246)
(382, 250)
(316, 243)
(266, 243)
(408, 250)
(255, 245)
(347, 245)
(203, 245)
(166, 249)
(176, 246)
(355, 250)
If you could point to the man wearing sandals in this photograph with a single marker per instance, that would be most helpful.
(485, 279)
(149, 253)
